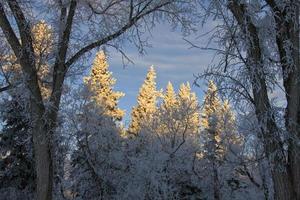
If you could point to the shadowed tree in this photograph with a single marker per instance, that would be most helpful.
(260, 48)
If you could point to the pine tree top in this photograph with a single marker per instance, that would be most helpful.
(150, 77)
(185, 93)
(169, 97)
(211, 99)
(146, 102)
(101, 83)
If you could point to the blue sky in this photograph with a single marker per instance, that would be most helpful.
(172, 58)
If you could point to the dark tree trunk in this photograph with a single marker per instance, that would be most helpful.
(287, 32)
(270, 134)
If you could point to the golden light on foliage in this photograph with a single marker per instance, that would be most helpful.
(146, 102)
(169, 98)
(11, 67)
(42, 44)
(189, 103)
(100, 83)
(42, 37)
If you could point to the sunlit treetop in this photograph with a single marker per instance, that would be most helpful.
(188, 102)
(100, 83)
(169, 98)
(146, 102)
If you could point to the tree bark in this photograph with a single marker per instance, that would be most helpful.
(287, 39)
(43, 162)
(270, 133)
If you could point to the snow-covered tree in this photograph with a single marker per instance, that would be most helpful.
(100, 83)
(176, 117)
(259, 53)
(167, 112)
(219, 138)
(159, 172)
(188, 102)
(98, 151)
(211, 108)
(165, 149)
(211, 134)
(229, 126)
(97, 163)
(146, 103)
(169, 98)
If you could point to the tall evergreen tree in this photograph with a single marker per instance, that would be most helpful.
(169, 98)
(219, 133)
(100, 84)
(228, 125)
(146, 102)
(188, 103)
(167, 116)
(211, 117)
(96, 134)
(218, 122)
(211, 135)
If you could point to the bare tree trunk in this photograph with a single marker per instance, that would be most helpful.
(40, 130)
(43, 162)
(272, 144)
(271, 139)
(287, 39)
(294, 125)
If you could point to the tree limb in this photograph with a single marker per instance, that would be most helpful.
(119, 32)
(9, 33)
